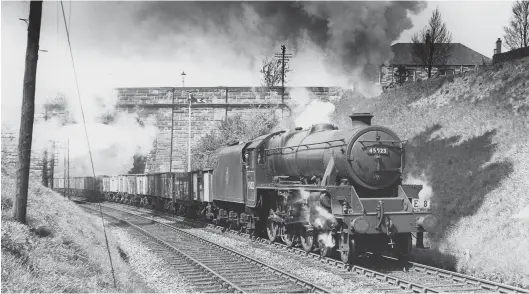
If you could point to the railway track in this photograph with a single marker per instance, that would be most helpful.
(408, 276)
(210, 267)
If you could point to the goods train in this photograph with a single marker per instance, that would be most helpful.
(328, 189)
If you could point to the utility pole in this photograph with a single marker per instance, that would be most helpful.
(284, 59)
(68, 168)
(45, 157)
(172, 126)
(283, 49)
(64, 173)
(52, 167)
(28, 112)
(189, 126)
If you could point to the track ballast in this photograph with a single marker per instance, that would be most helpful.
(408, 276)
(211, 267)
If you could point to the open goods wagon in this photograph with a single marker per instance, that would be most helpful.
(178, 192)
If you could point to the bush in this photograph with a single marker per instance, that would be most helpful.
(236, 128)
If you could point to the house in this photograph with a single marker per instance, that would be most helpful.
(462, 59)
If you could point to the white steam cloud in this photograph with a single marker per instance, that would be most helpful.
(426, 193)
(306, 112)
(318, 217)
(316, 112)
(113, 146)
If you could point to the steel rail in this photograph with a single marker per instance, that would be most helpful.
(458, 277)
(299, 281)
(402, 283)
(454, 276)
(233, 287)
(394, 281)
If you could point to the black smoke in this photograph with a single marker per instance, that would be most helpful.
(352, 34)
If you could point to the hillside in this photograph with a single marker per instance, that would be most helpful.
(468, 140)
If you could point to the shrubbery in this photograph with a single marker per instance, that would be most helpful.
(235, 128)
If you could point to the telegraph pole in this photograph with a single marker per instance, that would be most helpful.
(45, 159)
(172, 131)
(68, 168)
(64, 173)
(28, 112)
(52, 167)
(284, 59)
(189, 125)
(283, 49)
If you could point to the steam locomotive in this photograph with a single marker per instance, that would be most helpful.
(335, 190)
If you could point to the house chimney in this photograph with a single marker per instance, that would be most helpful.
(361, 118)
(498, 46)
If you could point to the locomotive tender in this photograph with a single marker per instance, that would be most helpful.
(298, 185)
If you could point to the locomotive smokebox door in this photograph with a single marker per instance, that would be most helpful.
(376, 157)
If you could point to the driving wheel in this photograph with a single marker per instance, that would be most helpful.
(289, 235)
(307, 239)
(349, 256)
(272, 228)
(325, 250)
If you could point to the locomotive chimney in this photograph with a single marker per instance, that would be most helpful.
(361, 118)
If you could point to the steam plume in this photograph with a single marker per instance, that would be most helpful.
(318, 217)
(426, 193)
(354, 35)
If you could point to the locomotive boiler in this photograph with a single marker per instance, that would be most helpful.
(369, 157)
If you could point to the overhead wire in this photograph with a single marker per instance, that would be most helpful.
(87, 140)
(70, 16)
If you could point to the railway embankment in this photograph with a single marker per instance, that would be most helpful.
(61, 249)
(468, 143)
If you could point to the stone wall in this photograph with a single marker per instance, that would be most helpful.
(213, 105)
(387, 73)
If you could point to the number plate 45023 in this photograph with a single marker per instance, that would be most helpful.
(377, 150)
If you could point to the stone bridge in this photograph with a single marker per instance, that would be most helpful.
(214, 104)
(153, 105)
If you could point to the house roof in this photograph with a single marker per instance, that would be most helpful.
(461, 55)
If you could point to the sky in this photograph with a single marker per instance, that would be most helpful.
(139, 44)
(476, 24)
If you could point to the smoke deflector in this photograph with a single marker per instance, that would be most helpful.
(361, 118)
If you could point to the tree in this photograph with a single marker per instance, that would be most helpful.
(138, 166)
(233, 129)
(401, 75)
(271, 72)
(432, 46)
(517, 33)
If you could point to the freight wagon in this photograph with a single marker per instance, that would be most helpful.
(180, 193)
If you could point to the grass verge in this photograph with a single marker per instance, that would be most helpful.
(61, 249)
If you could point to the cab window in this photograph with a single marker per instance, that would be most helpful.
(260, 156)
(249, 159)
